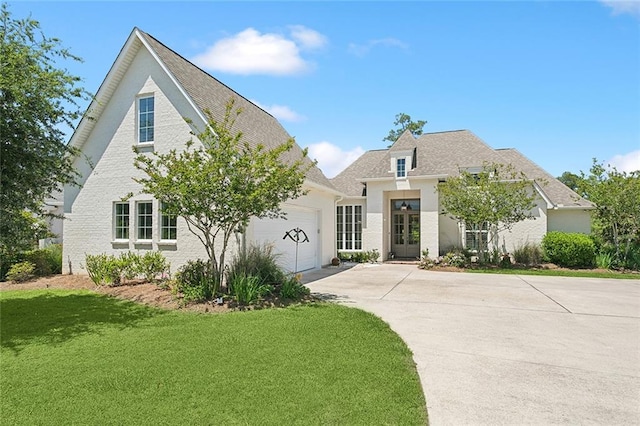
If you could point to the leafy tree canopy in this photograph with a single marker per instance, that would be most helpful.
(403, 122)
(219, 186)
(571, 180)
(617, 216)
(37, 98)
(497, 196)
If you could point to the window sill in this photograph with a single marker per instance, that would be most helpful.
(168, 243)
(119, 242)
(143, 243)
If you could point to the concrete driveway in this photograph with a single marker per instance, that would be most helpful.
(507, 349)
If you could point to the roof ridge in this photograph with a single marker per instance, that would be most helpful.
(445, 131)
(201, 70)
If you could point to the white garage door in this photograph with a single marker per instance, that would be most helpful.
(275, 231)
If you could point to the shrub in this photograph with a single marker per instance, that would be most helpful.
(568, 249)
(152, 265)
(40, 260)
(104, 269)
(20, 272)
(247, 289)
(632, 258)
(292, 288)
(256, 261)
(425, 261)
(359, 256)
(196, 281)
(47, 261)
(528, 254)
(108, 269)
(604, 260)
(457, 257)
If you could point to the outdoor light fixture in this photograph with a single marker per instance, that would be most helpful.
(403, 206)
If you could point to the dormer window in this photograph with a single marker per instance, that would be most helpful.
(145, 119)
(401, 167)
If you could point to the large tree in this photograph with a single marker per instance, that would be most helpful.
(38, 98)
(403, 122)
(218, 186)
(495, 198)
(571, 180)
(617, 215)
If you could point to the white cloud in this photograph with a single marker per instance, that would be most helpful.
(307, 38)
(364, 49)
(251, 52)
(281, 112)
(626, 162)
(331, 158)
(621, 6)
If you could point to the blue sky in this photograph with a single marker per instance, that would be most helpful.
(559, 81)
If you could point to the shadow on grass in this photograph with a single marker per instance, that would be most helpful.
(53, 317)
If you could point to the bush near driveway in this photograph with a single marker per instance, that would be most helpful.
(568, 249)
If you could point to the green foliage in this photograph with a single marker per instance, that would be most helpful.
(616, 219)
(47, 261)
(572, 180)
(19, 233)
(152, 265)
(568, 249)
(219, 186)
(104, 269)
(405, 123)
(196, 282)
(459, 258)
(38, 98)
(425, 261)
(528, 254)
(258, 261)
(604, 260)
(20, 272)
(292, 288)
(247, 289)
(370, 256)
(498, 195)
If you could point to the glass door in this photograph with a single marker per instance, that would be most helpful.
(405, 228)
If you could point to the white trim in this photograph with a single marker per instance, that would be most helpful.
(393, 179)
(153, 54)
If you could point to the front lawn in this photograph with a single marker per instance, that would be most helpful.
(557, 273)
(76, 357)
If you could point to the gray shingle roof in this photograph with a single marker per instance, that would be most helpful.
(558, 193)
(208, 93)
(445, 153)
(349, 180)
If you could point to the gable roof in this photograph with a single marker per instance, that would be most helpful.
(444, 154)
(559, 193)
(203, 91)
(349, 180)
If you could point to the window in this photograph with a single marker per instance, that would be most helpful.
(145, 220)
(472, 237)
(349, 227)
(121, 221)
(145, 119)
(401, 167)
(168, 226)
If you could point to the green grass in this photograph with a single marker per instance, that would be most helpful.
(75, 357)
(556, 273)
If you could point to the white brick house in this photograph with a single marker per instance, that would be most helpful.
(143, 102)
(391, 196)
(386, 200)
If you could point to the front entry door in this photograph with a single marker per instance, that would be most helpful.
(405, 234)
